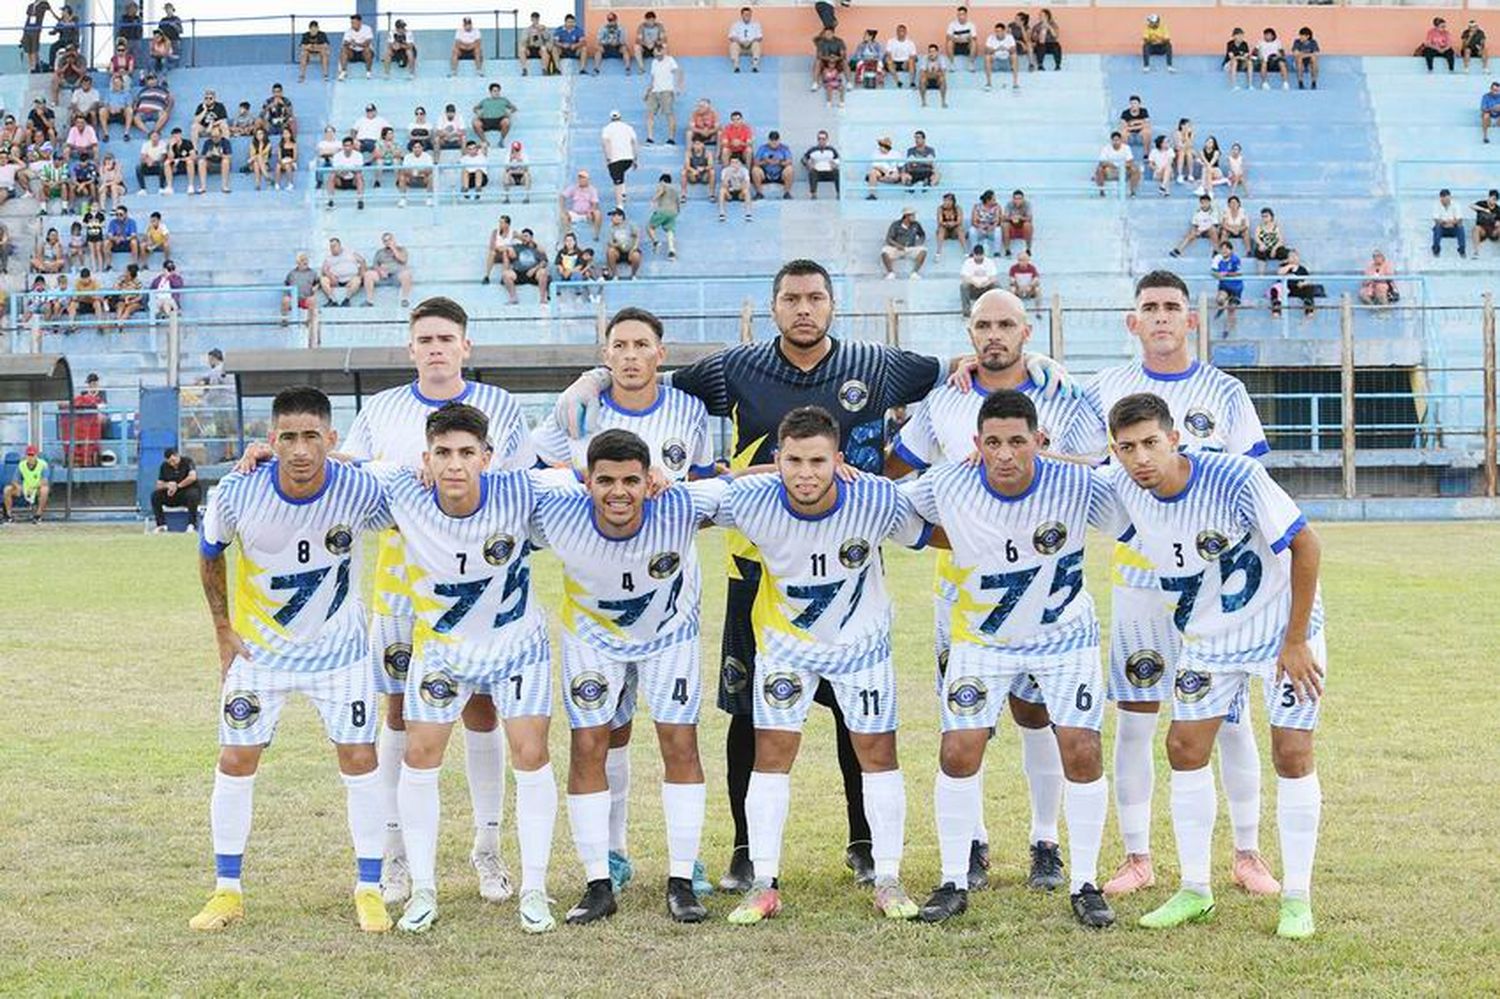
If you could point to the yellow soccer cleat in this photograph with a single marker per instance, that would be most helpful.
(370, 907)
(223, 909)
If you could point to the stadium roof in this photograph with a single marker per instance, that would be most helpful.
(35, 378)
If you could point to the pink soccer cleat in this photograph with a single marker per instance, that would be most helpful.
(1133, 875)
(1252, 874)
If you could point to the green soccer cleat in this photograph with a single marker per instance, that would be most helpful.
(1296, 922)
(761, 902)
(891, 900)
(1184, 907)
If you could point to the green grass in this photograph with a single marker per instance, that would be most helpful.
(109, 720)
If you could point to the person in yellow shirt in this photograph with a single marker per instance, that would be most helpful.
(30, 486)
(1155, 40)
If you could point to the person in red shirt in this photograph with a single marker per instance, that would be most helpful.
(1025, 279)
(735, 139)
(1438, 44)
(704, 124)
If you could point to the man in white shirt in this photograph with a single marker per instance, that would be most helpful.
(744, 40)
(1114, 158)
(661, 93)
(358, 46)
(961, 39)
(451, 130)
(976, 276)
(467, 45)
(367, 129)
(901, 56)
(153, 155)
(1447, 221)
(1204, 225)
(885, 166)
(346, 172)
(1001, 47)
(416, 171)
(621, 148)
(342, 274)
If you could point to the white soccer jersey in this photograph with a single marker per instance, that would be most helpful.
(1017, 564)
(675, 428)
(822, 604)
(629, 597)
(943, 425)
(292, 601)
(1220, 547)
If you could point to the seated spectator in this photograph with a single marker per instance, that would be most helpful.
(401, 49)
(68, 71)
(517, 173)
(1447, 223)
(610, 43)
(821, 163)
(921, 163)
(82, 139)
(1113, 159)
(388, 153)
(111, 180)
(735, 139)
(259, 158)
(1160, 162)
(1271, 58)
(1309, 292)
(328, 145)
(1474, 45)
(41, 123)
(527, 265)
(666, 204)
(1234, 224)
(661, 93)
(493, 114)
(961, 39)
(15, 179)
(567, 43)
(1378, 292)
(83, 183)
(313, 45)
(984, 223)
(37, 302)
(932, 74)
(87, 301)
(57, 302)
(1046, 40)
(901, 57)
(1305, 49)
(474, 174)
(452, 129)
(346, 172)
(1235, 174)
(416, 170)
(622, 246)
(1135, 123)
(86, 100)
(161, 54)
(209, 112)
(536, 43)
(904, 240)
(216, 153)
(745, 36)
(51, 255)
(286, 160)
(358, 45)
(468, 45)
(567, 264)
(1237, 60)
(500, 247)
(832, 76)
(244, 122)
(590, 274)
(1269, 242)
(1438, 44)
(1203, 225)
(1025, 279)
(734, 185)
(773, 165)
(976, 275)
(703, 124)
(166, 291)
(118, 103)
(301, 284)
(129, 301)
(886, 167)
(343, 274)
(170, 25)
(1225, 267)
(868, 61)
(1489, 110)
(156, 238)
(1486, 220)
(367, 130)
(698, 168)
(1000, 46)
(176, 485)
(829, 52)
(392, 263)
(277, 113)
(153, 104)
(122, 236)
(1210, 170)
(1018, 221)
(580, 203)
(31, 485)
(54, 183)
(419, 130)
(1019, 29)
(1155, 40)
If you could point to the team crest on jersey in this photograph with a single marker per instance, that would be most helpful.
(1144, 668)
(1192, 686)
(1049, 538)
(734, 675)
(589, 690)
(1199, 421)
(397, 660)
(498, 548)
(966, 696)
(241, 708)
(339, 539)
(853, 395)
(1211, 544)
(674, 454)
(663, 564)
(439, 688)
(782, 690)
(853, 553)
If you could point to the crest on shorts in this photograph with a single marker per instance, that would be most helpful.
(733, 675)
(498, 548)
(966, 696)
(339, 539)
(1192, 686)
(439, 688)
(782, 690)
(663, 564)
(674, 454)
(589, 690)
(1144, 668)
(396, 660)
(1211, 544)
(1199, 421)
(852, 553)
(1049, 538)
(241, 708)
(853, 395)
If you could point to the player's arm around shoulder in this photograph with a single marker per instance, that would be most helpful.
(918, 511)
(1106, 512)
(705, 497)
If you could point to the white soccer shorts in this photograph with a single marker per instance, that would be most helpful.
(1023, 688)
(390, 651)
(437, 688)
(596, 685)
(255, 691)
(1202, 692)
(1070, 684)
(866, 696)
(1143, 646)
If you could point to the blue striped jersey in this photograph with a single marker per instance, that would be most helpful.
(675, 428)
(943, 426)
(1016, 570)
(468, 579)
(293, 603)
(1220, 547)
(822, 603)
(629, 597)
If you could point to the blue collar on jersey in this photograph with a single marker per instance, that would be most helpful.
(1187, 486)
(1026, 386)
(468, 388)
(786, 501)
(608, 398)
(484, 492)
(1036, 478)
(1162, 376)
(645, 516)
(330, 471)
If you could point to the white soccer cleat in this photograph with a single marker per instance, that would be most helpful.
(421, 912)
(395, 881)
(536, 912)
(494, 877)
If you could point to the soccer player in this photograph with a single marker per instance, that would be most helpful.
(1242, 563)
(822, 615)
(941, 429)
(630, 622)
(469, 584)
(296, 628)
(674, 426)
(1144, 648)
(1016, 526)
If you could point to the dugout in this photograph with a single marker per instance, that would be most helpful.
(31, 380)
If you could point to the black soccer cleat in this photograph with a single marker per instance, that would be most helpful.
(1090, 908)
(979, 866)
(598, 903)
(859, 859)
(945, 902)
(1046, 867)
(741, 873)
(682, 902)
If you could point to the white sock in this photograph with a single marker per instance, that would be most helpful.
(389, 754)
(588, 817)
(1041, 762)
(1086, 805)
(365, 802)
(484, 763)
(766, 803)
(1239, 769)
(1299, 808)
(885, 810)
(536, 814)
(229, 809)
(1195, 806)
(683, 805)
(955, 800)
(617, 772)
(1135, 776)
(420, 811)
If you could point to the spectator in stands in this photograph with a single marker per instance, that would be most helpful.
(869, 62)
(589, 273)
(358, 46)
(745, 36)
(1203, 225)
(277, 112)
(493, 114)
(1305, 49)
(1438, 44)
(622, 246)
(1225, 267)
(51, 255)
(1270, 244)
(886, 167)
(166, 288)
(1001, 46)
(343, 274)
(500, 249)
(122, 236)
(41, 123)
(156, 238)
(1489, 110)
(301, 283)
(170, 25)
(904, 240)
(1019, 29)
(1474, 45)
(176, 486)
(31, 32)
(962, 42)
(1293, 269)
(921, 163)
(416, 170)
(111, 180)
(15, 179)
(31, 485)
(528, 265)
(68, 72)
(1234, 224)
(567, 264)
(54, 183)
(82, 139)
(580, 202)
(84, 185)
(37, 303)
(367, 129)
(1046, 40)
(1025, 279)
(391, 263)
(1018, 220)
(976, 275)
(327, 146)
(87, 301)
(346, 173)
(833, 78)
(734, 185)
(1114, 158)
(901, 57)
(536, 43)
(773, 165)
(286, 160)
(1135, 123)
(153, 103)
(949, 224)
(665, 84)
(216, 153)
(93, 221)
(161, 54)
(703, 123)
(650, 33)
(610, 43)
(258, 158)
(244, 122)
(1375, 291)
(1486, 220)
(1237, 60)
(1155, 40)
(401, 49)
(314, 45)
(1160, 163)
(1447, 223)
(86, 100)
(698, 168)
(468, 45)
(666, 204)
(735, 139)
(474, 174)
(932, 74)
(1186, 151)
(829, 51)
(1210, 173)
(621, 154)
(388, 152)
(517, 173)
(128, 302)
(1271, 58)
(209, 111)
(214, 375)
(117, 104)
(821, 163)
(984, 223)
(568, 43)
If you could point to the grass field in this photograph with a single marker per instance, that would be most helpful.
(109, 720)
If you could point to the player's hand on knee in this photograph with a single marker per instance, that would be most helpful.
(1298, 665)
(255, 455)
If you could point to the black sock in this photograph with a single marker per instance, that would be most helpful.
(739, 759)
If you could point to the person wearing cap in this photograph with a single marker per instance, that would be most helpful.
(568, 43)
(358, 45)
(610, 43)
(474, 174)
(1155, 40)
(1447, 223)
(773, 165)
(580, 203)
(1489, 110)
(493, 113)
(468, 44)
(528, 265)
(885, 167)
(622, 245)
(536, 43)
(30, 486)
(621, 152)
(367, 128)
(92, 396)
(904, 240)
(976, 275)
(1378, 292)
(661, 93)
(1486, 220)
(1473, 44)
(517, 173)
(313, 45)
(177, 486)
(745, 37)
(734, 185)
(932, 74)
(650, 33)
(400, 49)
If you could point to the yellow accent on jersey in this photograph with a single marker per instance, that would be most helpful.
(1125, 556)
(253, 608)
(735, 543)
(422, 605)
(572, 590)
(940, 568)
(390, 570)
(965, 606)
(768, 613)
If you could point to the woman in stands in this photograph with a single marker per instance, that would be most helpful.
(51, 256)
(1438, 44)
(1160, 161)
(420, 130)
(387, 154)
(1210, 166)
(111, 180)
(260, 158)
(286, 163)
(1186, 151)
(1272, 58)
(1236, 169)
(1270, 244)
(1046, 39)
(127, 305)
(950, 225)
(1234, 223)
(327, 146)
